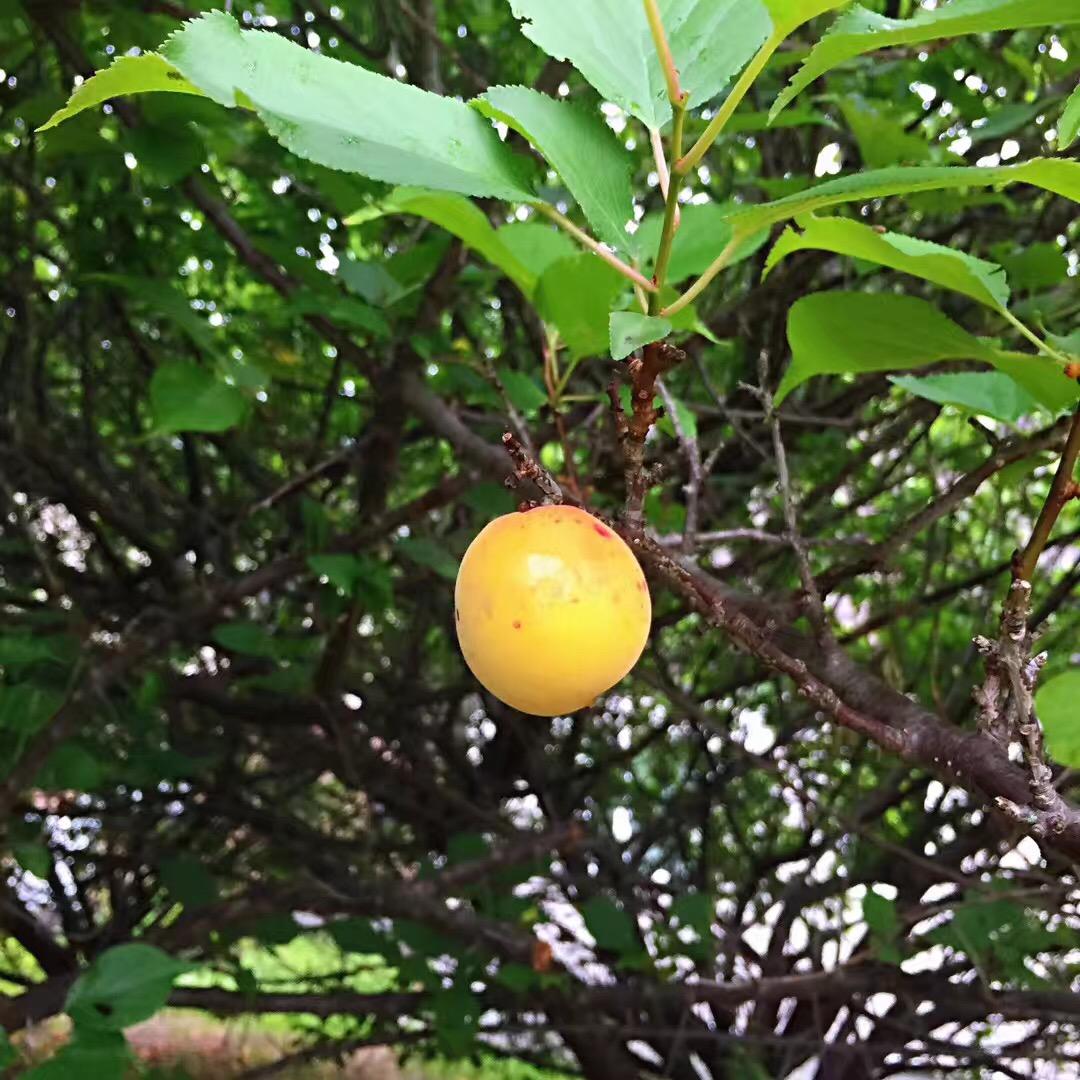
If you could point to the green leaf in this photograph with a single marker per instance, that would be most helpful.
(859, 31)
(124, 985)
(316, 526)
(246, 983)
(987, 393)
(371, 280)
(517, 977)
(70, 767)
(457, 215)
(525, 393)
(750, 121)
(35, 858)
(342, 571)
(345, 117)
(186, 397)
(976, 928)
(1069, 125)
(415, 266)
(373, 584)
(535, 244)
(1059, 176)
(160, 297)
(348, 310)
(880, 914)
(629, 330)
(1066, 343)
(1044, 379)
(610, 926)
(275, 930)
(696, 910)
(884, 924)
(609, 42)
(7, 1051)
(457, 1016)
(126, 75)
(745, 1064)
(424, 940)
(165, 156)
(467, 847)
(1056, 704)
(247, 638)
(883, 139)
(789, 15)
(835, 332)
(684, 414)
(489, 499)
(358, 936)
(583, 150)
(92, 1054)
(1003, 120)
(428, 553)
(188, 881)
(664, 515)
(24, 649)
(703, 234)
(981, 280)
(576, 295)
(24, 708)
(1036, 266)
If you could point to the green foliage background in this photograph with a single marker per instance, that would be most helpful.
(264, 319)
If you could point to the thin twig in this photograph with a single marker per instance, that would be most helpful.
(516, 421)
(432, 34)
(692, 452)
(527, 468)
(298, 483)
(731, 415)
(722, 536)
(40, 552)
(815, 607)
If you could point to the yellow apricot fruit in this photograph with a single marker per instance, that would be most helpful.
(552, 609)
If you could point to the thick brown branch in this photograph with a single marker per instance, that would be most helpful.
(633, 429)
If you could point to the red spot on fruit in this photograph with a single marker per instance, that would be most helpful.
(517, 624)
(605, 533)
(641, 586)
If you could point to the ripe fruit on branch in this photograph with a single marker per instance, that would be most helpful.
(552, 609)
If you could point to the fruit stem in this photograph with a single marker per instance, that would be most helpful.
(1033, 337)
